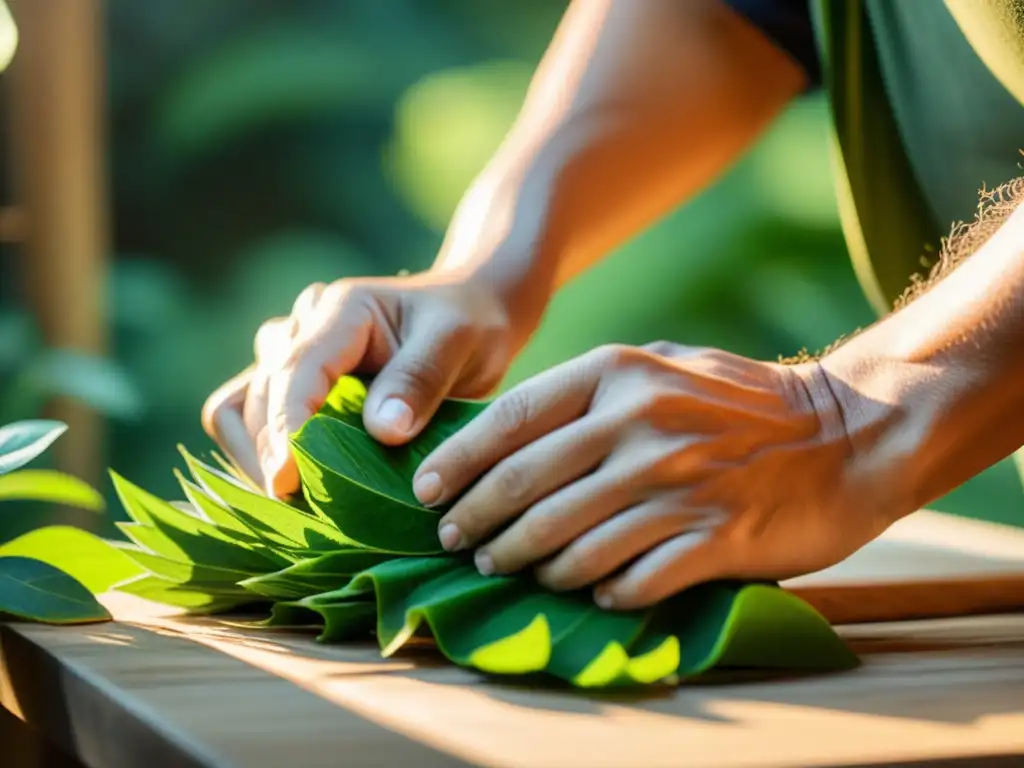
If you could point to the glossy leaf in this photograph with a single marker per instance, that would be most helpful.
(272, 520)
(36, 591)
(50, 486)
(170, 532)
(23, 441)
(192, 600)
(315, 575)
(365, 487)
(83, 556)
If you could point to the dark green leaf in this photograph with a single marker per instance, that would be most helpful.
(345, 403)
(23, 441)
(36, 591)
(730, 624)
(364, 488)
(320, 574)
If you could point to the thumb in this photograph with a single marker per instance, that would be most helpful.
(407, 392)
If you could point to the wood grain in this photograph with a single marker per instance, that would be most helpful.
(201, 693)
(928, 565)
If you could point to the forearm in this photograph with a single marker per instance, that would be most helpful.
(934, 393)
(636, 106)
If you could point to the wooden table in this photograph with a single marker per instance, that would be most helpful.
(155, 690)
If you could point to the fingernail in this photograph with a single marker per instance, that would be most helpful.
(604, 599)
(428, 488)
(484, 563)
(395, 415)
(451, 537)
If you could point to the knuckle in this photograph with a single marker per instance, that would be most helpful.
(210, 415)
(652, 404)
(512, 484)
(615, 356)
(538, 532)
(309, 298)
(271, 338)
(567, 572)
(454, 458)
(661, 347)
(419, 373)
(342, 293)
(512, 412)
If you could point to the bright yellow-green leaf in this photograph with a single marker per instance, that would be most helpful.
(51, 486)
(88, 559)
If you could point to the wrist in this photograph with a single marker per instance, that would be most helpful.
(918, 429)
(494, 245)
(873, 405)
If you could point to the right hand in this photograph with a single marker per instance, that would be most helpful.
(426, 336)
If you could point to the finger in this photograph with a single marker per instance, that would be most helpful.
(222, 420)
(525, 478)
(271, 347)
(556, 521)
(677, 564)
(517, 418)
(329, 344)
(306, 303)
(407, 392)
(609, 546)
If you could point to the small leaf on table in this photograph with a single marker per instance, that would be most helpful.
(36, 591)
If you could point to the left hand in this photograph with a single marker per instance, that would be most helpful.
(648, 470)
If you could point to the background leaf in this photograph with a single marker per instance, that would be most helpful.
(52, 486)
(37, 591)
(23, 441)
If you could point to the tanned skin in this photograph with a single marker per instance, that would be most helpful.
(640, 471)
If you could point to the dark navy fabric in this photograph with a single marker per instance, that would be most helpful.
(788, 24)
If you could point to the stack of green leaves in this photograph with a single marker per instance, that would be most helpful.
(358, 556)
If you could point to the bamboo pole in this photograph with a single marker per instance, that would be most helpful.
(56, 104)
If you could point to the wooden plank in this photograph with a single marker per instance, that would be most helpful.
(928, 565)
(202, 693)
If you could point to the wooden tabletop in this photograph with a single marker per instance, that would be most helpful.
(158, 690)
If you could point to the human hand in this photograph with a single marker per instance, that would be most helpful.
(427, 336)
(679, 465)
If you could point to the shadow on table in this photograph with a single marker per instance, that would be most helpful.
(932, 688)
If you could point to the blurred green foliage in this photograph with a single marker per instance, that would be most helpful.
(259, 145)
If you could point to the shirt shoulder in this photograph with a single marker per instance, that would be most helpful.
(788, 23)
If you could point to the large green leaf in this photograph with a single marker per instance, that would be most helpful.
(365, 487)
(37, 591)
(509, 625)
(83, 556)
(49, 485)
(23, 441)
